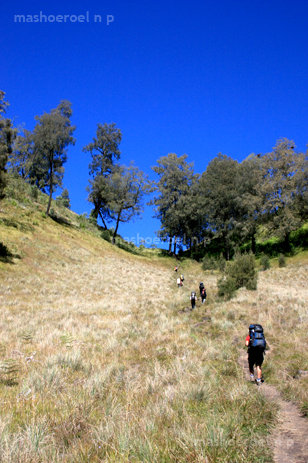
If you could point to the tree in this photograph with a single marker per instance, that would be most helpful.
(51, 136)
(121, 194)
(191, 216)
(7, 135)
(248, 181)
(284, 189)
(22, 160)
(172, 204)
(104, 151)
(218, 188)
(64, 198)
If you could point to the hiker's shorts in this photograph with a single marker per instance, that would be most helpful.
(255, 357)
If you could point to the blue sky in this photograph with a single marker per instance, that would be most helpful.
(197, 77)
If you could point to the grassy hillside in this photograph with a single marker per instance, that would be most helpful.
(101, 362)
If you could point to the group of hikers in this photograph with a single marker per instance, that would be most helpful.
(193, 295)
(255, 340)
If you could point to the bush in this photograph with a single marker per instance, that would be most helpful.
(34, 192)
(221, 263)
(265, 262)
(282, 260)
(64, 199)
(226, 287)
(243, 271)
(82, 220)
(251, 284)
(105, 234)
(209, 263)
(213, 263)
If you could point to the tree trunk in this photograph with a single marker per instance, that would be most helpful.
(226, 246)
(174, 246)
(50, 190)
(103, 221)
(116, 228)
(286, 243)
(253, 243)
(170, 244)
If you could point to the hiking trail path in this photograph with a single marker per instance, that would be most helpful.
(290, 438)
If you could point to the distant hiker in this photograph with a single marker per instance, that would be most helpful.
(182, 278)
(193, 299)
(175, 269)
(179, 282)
(255, 341)
(203, 295)
(201, 287)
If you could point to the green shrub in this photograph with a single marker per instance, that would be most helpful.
(129, 247)
(226, 287)
(265, 262)
(214, 263)
(82, 220)
(34, 192)
(221, 263)
(64, 199)
(243, 271)
(105, 234)
(282, 260)
(209, 263)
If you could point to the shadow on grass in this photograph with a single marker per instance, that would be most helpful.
(60, 220)
(9, 382)
(19, 225)
(6, 256)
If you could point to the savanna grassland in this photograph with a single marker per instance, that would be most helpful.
(100, 361)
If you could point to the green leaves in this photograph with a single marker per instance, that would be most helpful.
(116, 191)
(7, 135)
(175, 199)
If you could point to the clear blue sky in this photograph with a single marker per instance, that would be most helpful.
(194, 77)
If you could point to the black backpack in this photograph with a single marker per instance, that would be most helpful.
(257, 338)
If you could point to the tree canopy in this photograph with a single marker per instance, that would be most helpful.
(284, 188)
(227, 204)
(7, 135)
(173, 198)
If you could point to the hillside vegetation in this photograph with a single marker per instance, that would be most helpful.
(100, 360)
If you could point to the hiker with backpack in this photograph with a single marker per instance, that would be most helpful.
(201, 287)
(203, 295)
(256, 343)
(193, 299)
(179, 282)
(182, 278)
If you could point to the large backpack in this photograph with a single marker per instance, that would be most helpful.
(257, 338)
(201, 286)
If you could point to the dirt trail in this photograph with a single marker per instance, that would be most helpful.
(290, 437)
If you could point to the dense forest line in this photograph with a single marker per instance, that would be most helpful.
(219, 210)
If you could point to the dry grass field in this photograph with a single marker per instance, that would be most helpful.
(100, 361)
